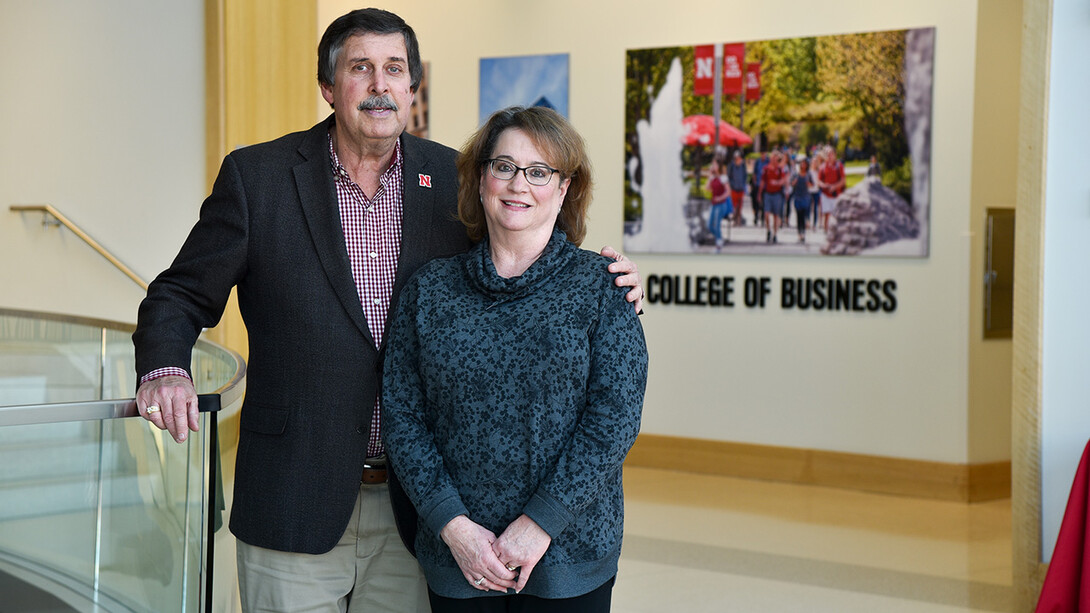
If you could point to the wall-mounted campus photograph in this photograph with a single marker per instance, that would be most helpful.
(528, 80)
(805, 146)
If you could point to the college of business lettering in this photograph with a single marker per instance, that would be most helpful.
(755, 292)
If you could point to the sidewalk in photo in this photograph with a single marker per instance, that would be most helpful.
(752, 239)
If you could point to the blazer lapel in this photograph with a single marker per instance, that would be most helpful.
(318, 197)
(418, 212)
(418, 220)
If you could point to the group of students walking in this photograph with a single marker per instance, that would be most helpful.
(778, 183)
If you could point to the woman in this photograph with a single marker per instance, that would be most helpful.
(722, 207)
(514, 384)
(874, 169)
(736, 176)
(789, 172)
(815, 191)
(831, 182)
(800, 196)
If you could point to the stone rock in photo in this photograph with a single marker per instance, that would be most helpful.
(867, 215)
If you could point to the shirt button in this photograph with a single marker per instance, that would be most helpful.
(373, 254)
(376, 300)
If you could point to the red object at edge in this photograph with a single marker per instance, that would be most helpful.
(1069, 570)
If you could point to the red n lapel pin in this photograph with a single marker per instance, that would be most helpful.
(425, 180)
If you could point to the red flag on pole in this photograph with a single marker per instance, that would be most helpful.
(703, 70)
(734, 55)
(753, 81)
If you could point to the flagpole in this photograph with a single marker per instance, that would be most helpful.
(742, 104)
(717, 103)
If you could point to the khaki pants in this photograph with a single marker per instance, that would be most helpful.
(368, 571)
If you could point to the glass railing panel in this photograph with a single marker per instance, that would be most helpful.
(212, 367)
(99, 511)
(44, 361)
(113, 509)
(119, 370)
(152, 552)
(49, 480)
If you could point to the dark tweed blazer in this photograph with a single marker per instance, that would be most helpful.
(272, 228)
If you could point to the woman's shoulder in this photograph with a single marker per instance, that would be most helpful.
(439, 268)
(590, 261)
(592, 269)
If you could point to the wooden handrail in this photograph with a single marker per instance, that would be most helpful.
(64, 221)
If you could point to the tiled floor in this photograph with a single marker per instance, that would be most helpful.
(701, 543)
(696, 543)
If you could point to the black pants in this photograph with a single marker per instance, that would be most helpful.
(596, 601)
(802, 213)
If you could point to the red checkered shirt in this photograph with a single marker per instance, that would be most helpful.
(372, 236)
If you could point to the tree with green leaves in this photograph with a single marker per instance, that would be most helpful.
(864, 73)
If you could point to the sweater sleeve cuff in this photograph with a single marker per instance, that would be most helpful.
(548, 513)
(441, 514)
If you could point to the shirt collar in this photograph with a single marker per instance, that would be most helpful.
(341, 173)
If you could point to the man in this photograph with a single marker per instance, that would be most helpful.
(318, 230)
(773, 180)
(736, 177)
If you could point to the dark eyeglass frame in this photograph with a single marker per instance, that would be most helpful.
(492, 170)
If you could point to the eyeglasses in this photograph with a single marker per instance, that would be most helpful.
(535, 175)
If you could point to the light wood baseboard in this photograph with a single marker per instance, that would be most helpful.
(916, 478)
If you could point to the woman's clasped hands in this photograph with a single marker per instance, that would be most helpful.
(496, 563)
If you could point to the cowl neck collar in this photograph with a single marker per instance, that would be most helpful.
(482, 271)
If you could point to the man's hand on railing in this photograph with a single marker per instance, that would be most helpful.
(169, 403)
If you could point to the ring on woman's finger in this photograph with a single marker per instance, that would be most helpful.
(511, 568)
(478, 582)
(151, 409)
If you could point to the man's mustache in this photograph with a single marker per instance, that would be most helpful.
(378, 102)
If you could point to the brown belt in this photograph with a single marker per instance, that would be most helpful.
(373, 474)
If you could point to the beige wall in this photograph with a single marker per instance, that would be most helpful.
(918, 384)
(260, 67)
(896, 386)
(994, 185)
(101, 117)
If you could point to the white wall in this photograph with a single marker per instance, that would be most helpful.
(103, 117)
(1065, 396)
(892, 385)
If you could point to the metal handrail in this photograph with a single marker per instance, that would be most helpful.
(88, 410)
(64, 221)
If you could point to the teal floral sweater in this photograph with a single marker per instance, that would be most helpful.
(511, 396)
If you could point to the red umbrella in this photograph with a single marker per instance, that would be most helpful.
(700, 130)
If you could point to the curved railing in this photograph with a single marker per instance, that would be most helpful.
(99, 510)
